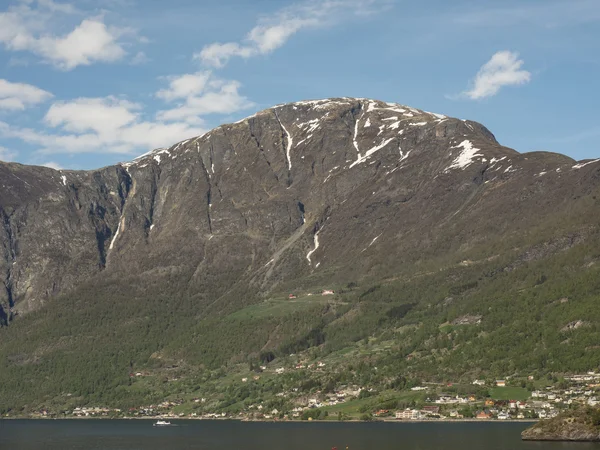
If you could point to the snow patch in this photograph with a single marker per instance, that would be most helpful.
(403, 155)
(270, 262)
(372, 242)
(64, 180)
(112, 242)
(495, 160)
(289, 143)
(356, 132)
(580, 165)
(311, 125)
(439, 116)
(316, 240)
(466, 156)
(249, 117)
(370, 152)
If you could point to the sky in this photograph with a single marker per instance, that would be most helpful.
(89, 83)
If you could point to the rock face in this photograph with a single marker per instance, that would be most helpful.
(333, 190)
(568, 426)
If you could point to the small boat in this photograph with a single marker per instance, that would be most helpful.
(161, 423)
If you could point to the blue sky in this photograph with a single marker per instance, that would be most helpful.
(88, 83)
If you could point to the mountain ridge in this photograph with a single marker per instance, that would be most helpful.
(349, 112)
(186, 255)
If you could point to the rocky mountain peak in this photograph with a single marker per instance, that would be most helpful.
(293, 194)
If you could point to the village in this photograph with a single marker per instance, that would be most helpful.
(575, 390)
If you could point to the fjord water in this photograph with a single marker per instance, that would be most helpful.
(231, 435)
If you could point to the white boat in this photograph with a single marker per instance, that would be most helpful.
(162, 423)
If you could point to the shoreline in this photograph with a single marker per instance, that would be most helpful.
(282, 421)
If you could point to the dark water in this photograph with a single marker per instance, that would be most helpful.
(225, 435)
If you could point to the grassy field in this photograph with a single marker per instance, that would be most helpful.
(509, 393)
(352, 409)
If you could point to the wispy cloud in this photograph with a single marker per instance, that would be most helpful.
(17, 96)
(27, 26)
(548, 13)
(503, 69)
(139, 59)
(6, 154)
(92, 125)
(273, 31)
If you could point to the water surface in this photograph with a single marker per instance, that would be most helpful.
(231, 435)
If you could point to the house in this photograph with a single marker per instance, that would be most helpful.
(489, 402)
(503, 416)
(430, 410)
(501, 383)
(479, 382)
(291, 296)
(327, 292)
(483, 415)
(408, 414)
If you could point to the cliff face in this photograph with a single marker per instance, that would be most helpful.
(581, 425)
(300, 193)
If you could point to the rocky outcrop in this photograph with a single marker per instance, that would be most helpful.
(333, 190)
(580, 425)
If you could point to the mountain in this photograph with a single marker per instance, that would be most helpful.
(184, 256)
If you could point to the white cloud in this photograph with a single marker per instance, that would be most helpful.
(218, 54)
(273, 31)
(27, 27)
(6, 154)
(92, 41)
(115, 125)
(100, 125)
(503, 69)
(183, 86)
(201, 94)
(100, 115)
(17, 96)
(52, 165)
